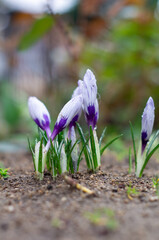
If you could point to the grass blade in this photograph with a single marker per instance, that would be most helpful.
(32, 152)
(79, 158)
(130, 160)
(85, 150)
(134, 147)
(102, 136)
(147, 159)
(109, 143)
(40, 156)
(93, 148)
(151, 142)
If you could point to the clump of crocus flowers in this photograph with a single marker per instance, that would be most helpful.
(146, 149)
(60, 150)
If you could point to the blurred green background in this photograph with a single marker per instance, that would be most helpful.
(47, 46)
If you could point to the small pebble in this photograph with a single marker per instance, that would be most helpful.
(10, 208)
(154, 198)
(49, 187)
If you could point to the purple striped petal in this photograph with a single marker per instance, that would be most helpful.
(90, 104)
(39, 114)
(69, 113)
(147, 122)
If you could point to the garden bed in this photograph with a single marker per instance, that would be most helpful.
(123, 206)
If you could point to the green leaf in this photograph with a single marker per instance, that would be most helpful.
(102, 136)
(42, 134)
(40, 156)
(134, 147)
(130, 160)
(59, 148)
(109, 143)
(79, 158)
(48, 161)
(54, 159)
(83, 140)
(147, 159)
(32, 152)
(151, 142)
(93, 148)
(77, 141)
(39, 29)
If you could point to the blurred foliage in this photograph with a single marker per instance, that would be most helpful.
(123, 53)
(126, 63)
(104, 217)
(9, 106)
(14, 116)
(39, 28)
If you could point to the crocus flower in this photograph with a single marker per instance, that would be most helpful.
(68, 113)
(39, 114)
(147, 122)
(90, 103)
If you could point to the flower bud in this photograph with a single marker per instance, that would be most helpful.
(90, 103)
(39, 114)
(147, 122)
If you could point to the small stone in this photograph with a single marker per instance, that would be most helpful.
(4, 226)
(114, 190)
(154, 198)
(49, 187)
(63, 199)
(10, 208)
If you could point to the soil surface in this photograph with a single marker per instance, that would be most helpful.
(34, 210)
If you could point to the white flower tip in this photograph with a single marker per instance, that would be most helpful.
(150, 102)
(90, 75)
(80, 83)
(31, 99)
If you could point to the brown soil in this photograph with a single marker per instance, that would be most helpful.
(34, 210)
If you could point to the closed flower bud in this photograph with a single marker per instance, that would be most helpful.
(69, 113)
(147, 122)
(90, 103)
(39, 114)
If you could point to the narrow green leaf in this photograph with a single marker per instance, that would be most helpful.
(134, 147)
(77, 141)
(40, 156)
(130, 160)
(48, 161)
(32, 152)
(42, 134)
(83, 140)
(102, 136)
(56, 156)
(39, 29)
(79, 158)
(151, 142)
(69, 156)
(109, 143)
(147, 159)
(93, 148)
(59, 148)
(54, 159)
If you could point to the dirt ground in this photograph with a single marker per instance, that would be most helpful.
(34, 210)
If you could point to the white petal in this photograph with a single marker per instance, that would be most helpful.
(71, 109)
(37, 109)
(148, 117)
